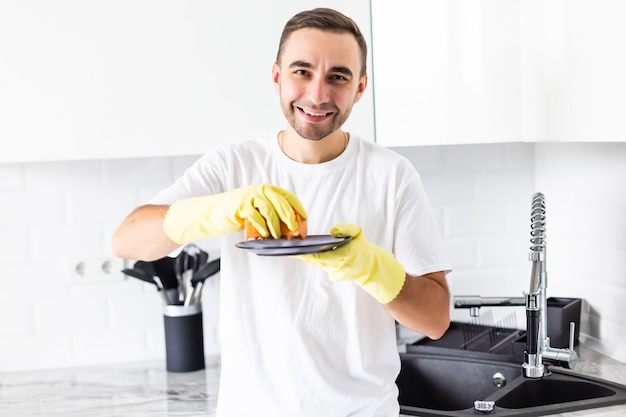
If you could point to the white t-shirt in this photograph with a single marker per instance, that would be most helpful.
(294, 343)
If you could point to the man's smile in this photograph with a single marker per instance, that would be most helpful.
(313, 115)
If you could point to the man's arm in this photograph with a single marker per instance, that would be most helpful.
(423, 304)
(152, 231)
(140, 236)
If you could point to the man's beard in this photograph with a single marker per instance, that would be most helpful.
(313, 131)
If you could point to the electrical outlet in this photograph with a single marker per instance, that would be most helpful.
(109, 267)
(95, 268)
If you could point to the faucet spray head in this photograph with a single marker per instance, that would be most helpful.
(537, 253)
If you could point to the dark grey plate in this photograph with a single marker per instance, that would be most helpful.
(284, 247)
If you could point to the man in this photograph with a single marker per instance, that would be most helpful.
(308, 335)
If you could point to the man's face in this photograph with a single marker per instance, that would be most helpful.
(318, 80)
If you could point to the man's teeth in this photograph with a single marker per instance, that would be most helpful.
(315, 114)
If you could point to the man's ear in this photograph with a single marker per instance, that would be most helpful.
(360, 89)
(276, 77)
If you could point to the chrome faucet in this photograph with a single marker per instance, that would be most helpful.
(538, 350)
(475, 302)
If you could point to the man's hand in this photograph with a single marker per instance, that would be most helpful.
(263, 205)
(372, 267)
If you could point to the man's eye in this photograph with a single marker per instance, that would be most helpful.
(338, 77)
(301, 72)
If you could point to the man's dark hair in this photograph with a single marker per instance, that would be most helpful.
(324, 19)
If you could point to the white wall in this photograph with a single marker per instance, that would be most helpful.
(585, 187)
(53, 214)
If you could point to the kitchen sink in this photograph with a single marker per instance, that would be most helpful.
(553, 390)
(448, 383)
(453, 385)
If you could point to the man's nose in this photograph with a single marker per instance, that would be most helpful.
(318, 91)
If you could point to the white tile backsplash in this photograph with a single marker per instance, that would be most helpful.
(14, 247)
(474, 220)
(446, 189)
(12, 177)
(52, 214)
(473, 158)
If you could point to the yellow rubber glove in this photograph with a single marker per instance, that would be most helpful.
(372, 267)
(264, 205)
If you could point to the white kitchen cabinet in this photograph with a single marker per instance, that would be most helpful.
(447, 72)
(118, 78)
(476, 71)
(575, 66)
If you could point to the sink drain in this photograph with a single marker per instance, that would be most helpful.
(498, 379)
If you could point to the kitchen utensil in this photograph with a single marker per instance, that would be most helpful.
(147, 267)
(178, 280)
(169, 295)
(184, 265)
(197, 280)
(201, 259)
(206, 270)
(190, 259)
(139, 274)
(164, 269)
(284, 247)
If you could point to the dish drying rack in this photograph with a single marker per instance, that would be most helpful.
(478, 337)
(481, 334)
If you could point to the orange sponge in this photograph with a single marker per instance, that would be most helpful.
(299, 233)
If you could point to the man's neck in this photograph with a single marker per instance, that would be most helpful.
(308, 151)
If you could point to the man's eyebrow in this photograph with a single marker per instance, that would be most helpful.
(304, 64)
(342, 70)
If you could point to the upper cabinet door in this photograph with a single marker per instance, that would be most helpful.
(453, 71)
(575, 61)
(447, 72)
(117, 78)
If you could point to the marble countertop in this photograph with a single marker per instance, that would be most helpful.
(125, 390)
(142, 389)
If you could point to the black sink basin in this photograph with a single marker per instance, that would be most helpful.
(448, 385)
(553, 390)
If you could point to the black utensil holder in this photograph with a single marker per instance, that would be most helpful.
(184, 339)
(561, 312)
